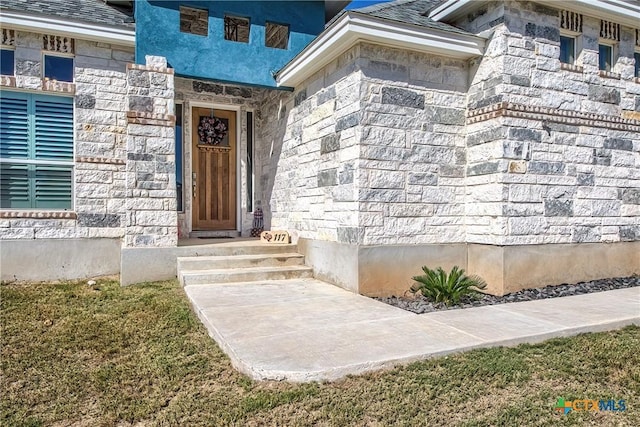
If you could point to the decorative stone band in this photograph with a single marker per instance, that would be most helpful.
(571, 67)
(139, 118)
(47, 85)
(103, 160)
(56, 86)
(609, 75)
(148, 68)
(8, 81)
(508, 109)
(39, 214)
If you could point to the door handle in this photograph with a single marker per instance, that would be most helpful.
(194, 183)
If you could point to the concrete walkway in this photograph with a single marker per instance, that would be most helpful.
(308, 330)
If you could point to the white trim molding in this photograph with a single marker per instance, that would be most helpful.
(354, 27)
(52, 25)
(620, 11)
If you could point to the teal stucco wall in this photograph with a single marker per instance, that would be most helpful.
(213, 57)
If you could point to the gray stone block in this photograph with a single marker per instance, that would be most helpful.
(347, 122)
(98, 220)
(486, 135)
(448, 116)
(618, 144)
(85, 101)
(138, 78)
(546, 168)
(28, 68)
(402, 97)
(520, 81)
(330, 143)
(141, 104)
(630, 233)
(558, 207)
(423, 178)
(484, 168)
(586, 179)
(524, 134)
(607, 95)
(346, 174)
(629, 196)
(328, 177)
(202, 87)
(140, 157)
(484, 101)
(243, 92)
(542, 32)
(586, 234)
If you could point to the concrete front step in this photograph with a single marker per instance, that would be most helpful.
(224, 248)
(240, 261)
(254, 274)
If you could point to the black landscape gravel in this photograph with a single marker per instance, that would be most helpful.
(419, 304)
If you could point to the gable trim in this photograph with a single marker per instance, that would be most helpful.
(51, 25)
(354, 27)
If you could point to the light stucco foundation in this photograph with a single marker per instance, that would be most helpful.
(387, 270)
(58, 259)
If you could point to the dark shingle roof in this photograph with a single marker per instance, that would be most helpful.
(409, 12)
(92, 11)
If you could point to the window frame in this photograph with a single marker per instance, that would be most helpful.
(287, 26)
(180, 14)
(180, 201)
(31, 162)
(71, 56)
(224, 24)
(612, 46)
(574, 55)
(636, 69)
(13, 66)
(250, 160)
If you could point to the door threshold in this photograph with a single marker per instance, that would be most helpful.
(214, 234)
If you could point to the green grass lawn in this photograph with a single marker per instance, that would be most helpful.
(73, 355)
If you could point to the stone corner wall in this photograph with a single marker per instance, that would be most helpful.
(151, 217)
(553, 150)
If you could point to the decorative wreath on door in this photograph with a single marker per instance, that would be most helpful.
(211, 130)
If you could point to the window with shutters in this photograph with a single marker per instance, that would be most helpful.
(36, 151)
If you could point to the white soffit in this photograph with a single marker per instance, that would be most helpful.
(353, 27)
(50, 25)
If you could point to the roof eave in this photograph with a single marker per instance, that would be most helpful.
(354, 27)
(615, 10)
(53, 25)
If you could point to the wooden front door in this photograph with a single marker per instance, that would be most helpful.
(214, 169)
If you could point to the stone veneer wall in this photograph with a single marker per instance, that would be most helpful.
(412, 154)
(100, 144)
(370, 151)
(192, 93)
(553, 151)
(308, 154)
(151, 217)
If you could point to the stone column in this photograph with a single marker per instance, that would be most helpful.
(151, 217)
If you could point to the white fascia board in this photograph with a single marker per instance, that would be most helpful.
(622, 12)
(353, 27)
(50, 25)
(449, 8)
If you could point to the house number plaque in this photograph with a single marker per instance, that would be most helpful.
(281, 237)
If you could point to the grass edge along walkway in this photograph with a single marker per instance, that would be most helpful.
(108, 355)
